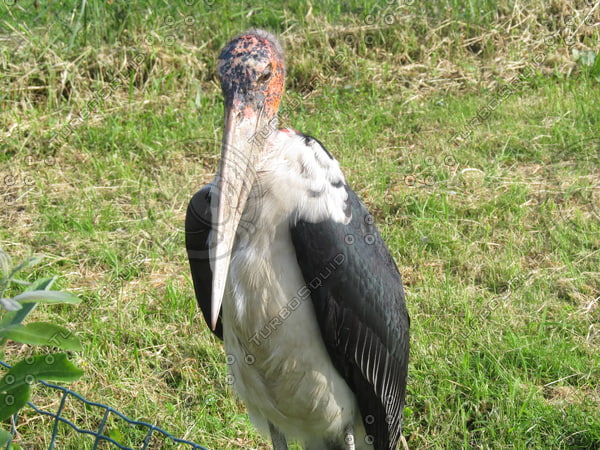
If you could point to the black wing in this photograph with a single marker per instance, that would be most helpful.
(358, 298)
(197, 227)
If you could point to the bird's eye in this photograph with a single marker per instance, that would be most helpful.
(264, 77)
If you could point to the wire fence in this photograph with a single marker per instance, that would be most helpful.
(148, 435)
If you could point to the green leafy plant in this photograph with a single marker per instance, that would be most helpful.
(16, 384)
(590, 60)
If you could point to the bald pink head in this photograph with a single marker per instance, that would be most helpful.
(252, 72)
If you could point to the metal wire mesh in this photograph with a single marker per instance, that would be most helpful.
(148, 441)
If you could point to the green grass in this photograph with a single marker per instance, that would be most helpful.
(493, 222)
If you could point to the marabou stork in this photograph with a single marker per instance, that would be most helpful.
(290, 271)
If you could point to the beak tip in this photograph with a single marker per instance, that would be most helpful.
(215, 312)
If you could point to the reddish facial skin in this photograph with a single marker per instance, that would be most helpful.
(252, 73)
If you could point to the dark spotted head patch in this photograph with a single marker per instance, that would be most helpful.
(252, 72)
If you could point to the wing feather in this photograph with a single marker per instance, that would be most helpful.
(361, 313)
(198, 225)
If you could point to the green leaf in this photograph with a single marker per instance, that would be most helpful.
(15, 317)
(4, 438)
(13, 399)
(12, 318)
(42, 333)
(9, 304)
(47, 297)
(30, 262)
(53, 367)
(5, 262)
(42, 284)
(115, 433)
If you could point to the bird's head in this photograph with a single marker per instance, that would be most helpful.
(252, 70)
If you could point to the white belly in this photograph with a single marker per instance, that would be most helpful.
(276, 358)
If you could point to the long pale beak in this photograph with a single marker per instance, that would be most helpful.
(235, 178)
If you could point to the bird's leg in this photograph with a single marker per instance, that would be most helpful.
(349, 437)
(277, 438)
